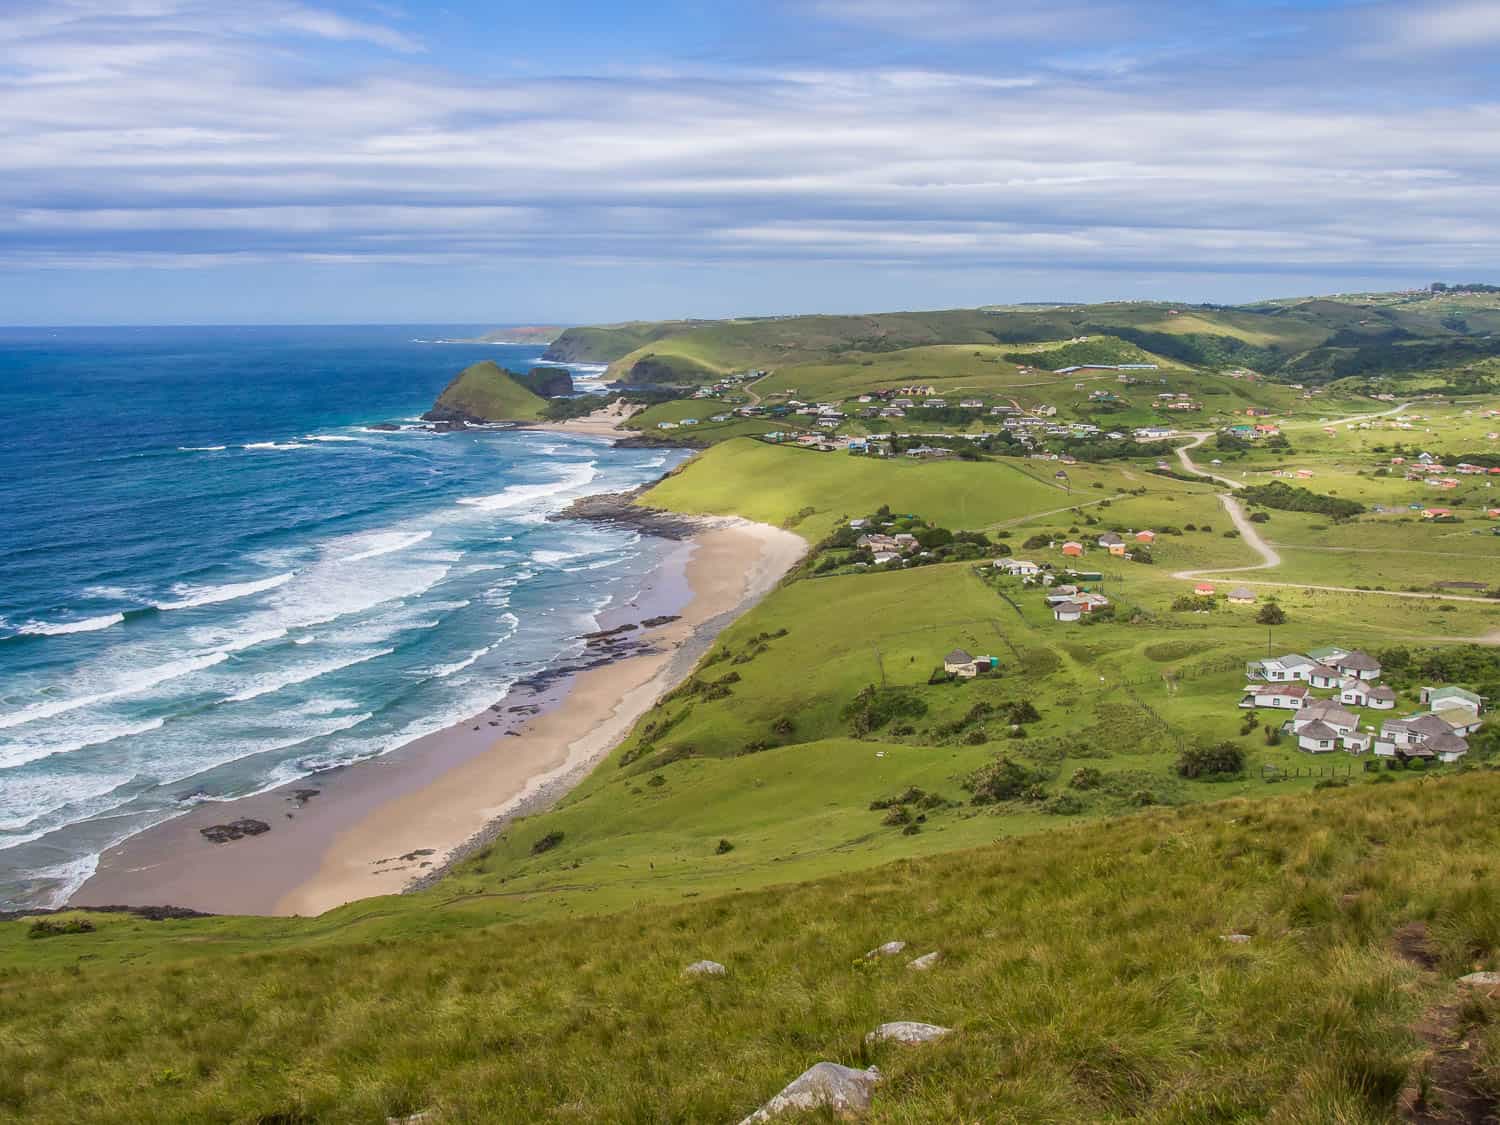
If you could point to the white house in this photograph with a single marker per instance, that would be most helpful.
(1380, 698)
(1318, 738)
(1322, 676)
(1446, 698)
(1327, 712)
(1021, 568)
(959, 663)
(1359, 664)
(1067, 611)
(1287, 697)
(1448, 747)
(1282, 669)
(1358, 742)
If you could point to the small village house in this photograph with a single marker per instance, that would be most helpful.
(1285, 697)
(1241, 595)
(1073, 549)
(1204, 589)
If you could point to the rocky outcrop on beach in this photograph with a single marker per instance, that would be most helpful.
(619, 509)
(234, 830)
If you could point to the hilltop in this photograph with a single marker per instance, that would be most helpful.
(486, 392)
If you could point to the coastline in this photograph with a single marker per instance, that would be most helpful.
(609, 421)
(374, 827)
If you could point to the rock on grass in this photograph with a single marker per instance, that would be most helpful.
(842, 1089)
(925, 962)
(704, 969)
(908, 1032)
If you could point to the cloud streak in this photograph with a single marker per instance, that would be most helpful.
(156, 135)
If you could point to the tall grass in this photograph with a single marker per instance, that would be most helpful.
(1084, 971)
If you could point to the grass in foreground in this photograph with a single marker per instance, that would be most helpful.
(1084, 973)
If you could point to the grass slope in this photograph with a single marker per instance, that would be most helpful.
(810, 491)
(486, 391)
(1084, 972)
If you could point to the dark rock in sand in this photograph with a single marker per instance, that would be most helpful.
(302, 796)
(606, 634)
(656, 622)
(235, 830)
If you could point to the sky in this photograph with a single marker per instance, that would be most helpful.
(337, 161)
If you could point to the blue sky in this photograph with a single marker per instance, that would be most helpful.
(281, 161)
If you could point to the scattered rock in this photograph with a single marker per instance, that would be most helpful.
(657, 622)
(705, 969)
(620, 509)
(608, 634)
(925, 962)
(905, 1031)
(1237, 939)
(302, 796)
(841, 1089)
(388, 427)
(234, 830)
(418, 854)
(889, 949)
(1480, 980)
(426, 1117)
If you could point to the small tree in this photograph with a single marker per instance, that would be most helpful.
(1271, 614)
(1223, 759)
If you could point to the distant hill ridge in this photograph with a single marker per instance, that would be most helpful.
(1315, 340)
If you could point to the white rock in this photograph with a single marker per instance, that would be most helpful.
(840, 1088)
(1238, 939)
(1480, 980)
(704, 969)
(925, 962)
(426, 1117)
(905, 1031)
(889, 949)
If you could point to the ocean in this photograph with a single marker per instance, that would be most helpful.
(216, 577)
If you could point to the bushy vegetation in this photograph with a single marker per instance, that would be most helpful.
(1222, 759)
(1289, 498)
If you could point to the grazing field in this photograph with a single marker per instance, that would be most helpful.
(810, 491)
(1085, 975)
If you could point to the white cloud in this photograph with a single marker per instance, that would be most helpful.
(1423, 26)
(149, 133)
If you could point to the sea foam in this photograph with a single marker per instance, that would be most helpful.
(190, 597)
(62, 628)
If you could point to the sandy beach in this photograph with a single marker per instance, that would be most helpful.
(373, 827)
(608, 422)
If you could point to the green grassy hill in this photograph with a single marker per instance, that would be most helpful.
(486, 392)
(1084, 972)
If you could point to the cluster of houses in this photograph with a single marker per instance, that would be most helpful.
(1321, 725)
(886, 548)
(1430, 470)
(1068, 601)
(1105, 367)
(1249, 432)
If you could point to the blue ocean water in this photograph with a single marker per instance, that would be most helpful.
(215, 577)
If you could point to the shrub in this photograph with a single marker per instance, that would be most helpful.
(48, 927)
(1085, 777)
(1259, 517)
(1064, 804)
(548, 842)
(897, 815)
(1223, 759)
(1288, 498)
(872, 709)
(1004, 779)
(724, 847)
(783, 727)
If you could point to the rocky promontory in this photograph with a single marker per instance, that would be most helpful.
(619, 509)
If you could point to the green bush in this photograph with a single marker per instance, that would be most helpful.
(1223, 759)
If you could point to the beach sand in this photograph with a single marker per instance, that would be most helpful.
(607, 422)
(373, 827)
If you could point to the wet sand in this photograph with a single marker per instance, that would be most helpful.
(373, 827)
(611, 421)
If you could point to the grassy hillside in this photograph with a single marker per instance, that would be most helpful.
(1084, 972)
(810, 491)
(486, 392)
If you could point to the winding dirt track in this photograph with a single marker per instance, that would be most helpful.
(1269, 557)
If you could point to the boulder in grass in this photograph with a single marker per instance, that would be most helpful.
(825, 1085)
(905, 1031)
(426, 1117)
(704, 969)
(889, 949)
(1480, 980)
(1236, 939)
(925, 962)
